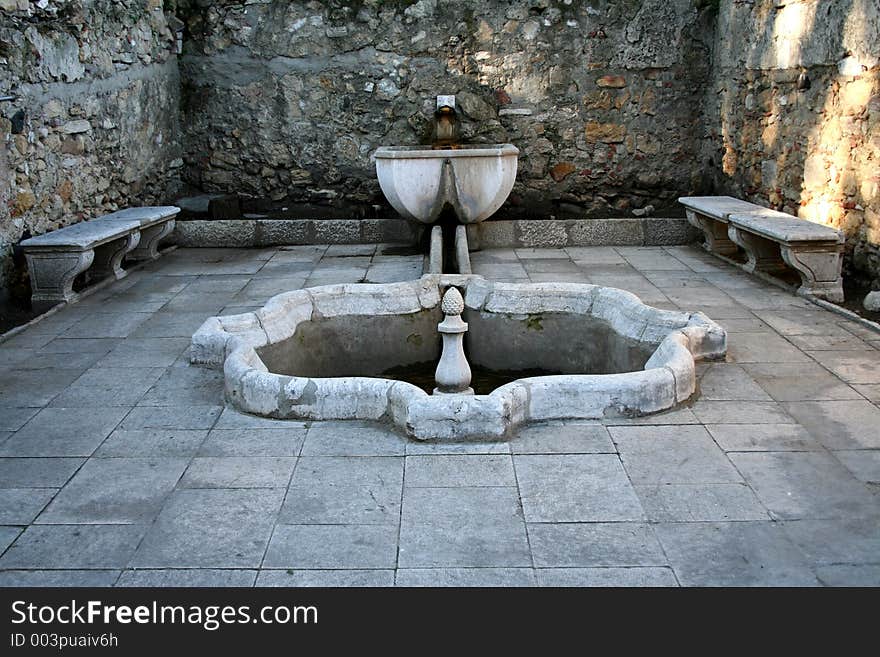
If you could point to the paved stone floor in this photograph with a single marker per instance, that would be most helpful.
(119, 464)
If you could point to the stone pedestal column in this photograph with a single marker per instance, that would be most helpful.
(453, 375)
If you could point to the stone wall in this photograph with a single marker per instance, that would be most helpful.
(793, 113)
(617, 106)
(95, 125)
(287, 100)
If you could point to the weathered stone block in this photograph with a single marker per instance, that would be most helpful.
(215, 233)
(607, 232)
(337, 231)
(609, 133)
(543, 234)
(275, 232)
(667, 232)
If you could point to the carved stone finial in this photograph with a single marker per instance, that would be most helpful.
(453, 303)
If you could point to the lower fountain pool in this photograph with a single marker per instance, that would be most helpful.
(566, 350)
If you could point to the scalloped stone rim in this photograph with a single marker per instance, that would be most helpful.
(678, 338)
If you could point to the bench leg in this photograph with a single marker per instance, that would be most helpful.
(715, 232)
(763, 254)
(819, 269)
(52, 276)
(108, 257)
(148, 249)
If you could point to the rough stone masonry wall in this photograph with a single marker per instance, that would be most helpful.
(95, 125)
(793, 113)
(287, 100)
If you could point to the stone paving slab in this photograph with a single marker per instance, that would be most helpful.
(700, 503)
(863, 575)
(344, 490)
(763, 437)
(562, 438)
(253, 442)
(734, 554)
(415, 447)
(178, 577)
(100, 388)
(672, 455)
(870, 392)
(576, 488)
(840, 424)
(795, 485)
(351, 439)
(595, 544)
(598, 577)
(175, 324)
(332, 546)
(483, 577)
(151, 442)
(57, 578)
(326, 578)
(8, 536)
(837, 541)
(740, 412)
(35, 388)
(189, 417)
(64, 432)
(73, 547)
(37, 472)
(108, 325)
(13, 419)
(145, 352)
(185, 386)
(238, 472)
(52, 361)
(109, 386)
(458, 527)
(459, 470)
(863, 464)
(232, 419)
(851, 366)
(115, 491)
(799, 382)
(62, 345)
(19, 506)
(213, 528)
(761, 347)
(727, 381)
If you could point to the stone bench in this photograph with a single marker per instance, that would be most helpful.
(98, 247)
(773, 242)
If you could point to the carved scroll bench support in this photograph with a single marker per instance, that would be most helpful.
(52, 274)
(714, 233)
(156, 224)
(763, 254)
(108, 257)
(819, 268)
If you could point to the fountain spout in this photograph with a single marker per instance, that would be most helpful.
(447, 127)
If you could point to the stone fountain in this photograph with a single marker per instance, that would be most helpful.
(328, 353)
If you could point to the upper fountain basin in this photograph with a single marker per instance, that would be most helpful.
(473, 180)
